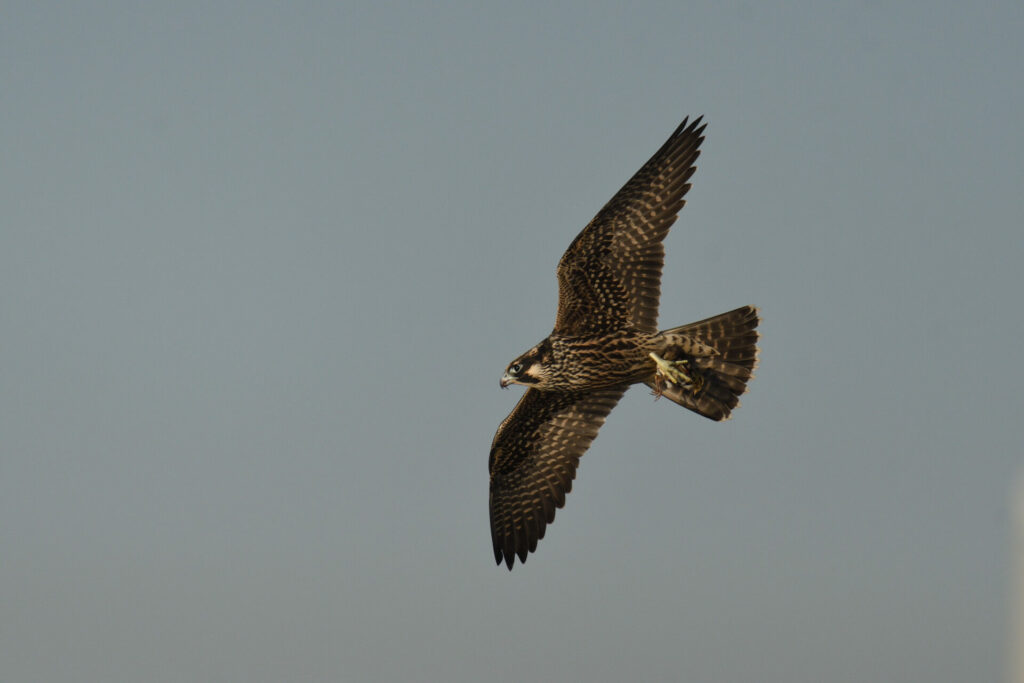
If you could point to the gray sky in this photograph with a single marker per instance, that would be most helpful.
(263, 264)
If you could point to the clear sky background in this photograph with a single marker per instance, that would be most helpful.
(262, 265)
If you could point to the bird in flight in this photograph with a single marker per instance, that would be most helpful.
(606, 339)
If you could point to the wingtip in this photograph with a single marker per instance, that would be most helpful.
(509, 559)
(500, 559)
(697, 125)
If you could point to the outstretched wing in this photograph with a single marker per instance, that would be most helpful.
(611, 273)
(533, 462)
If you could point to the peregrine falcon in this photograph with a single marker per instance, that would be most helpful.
(605, 339)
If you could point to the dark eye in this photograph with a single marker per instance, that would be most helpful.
(516, 368)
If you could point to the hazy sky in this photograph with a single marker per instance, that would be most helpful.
(262, 265)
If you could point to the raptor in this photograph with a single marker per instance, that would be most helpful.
(606, 339)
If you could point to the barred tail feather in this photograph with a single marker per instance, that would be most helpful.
(720, 354)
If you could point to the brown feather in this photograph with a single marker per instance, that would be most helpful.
(533, 463)
(610, 275)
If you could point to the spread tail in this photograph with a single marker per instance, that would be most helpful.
(705, 366)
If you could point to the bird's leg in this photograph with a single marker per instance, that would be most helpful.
(675, 371)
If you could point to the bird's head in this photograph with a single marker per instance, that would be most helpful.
(528, 369)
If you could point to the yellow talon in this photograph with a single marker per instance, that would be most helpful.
(674, 372)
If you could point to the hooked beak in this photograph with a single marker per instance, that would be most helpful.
(505, 381)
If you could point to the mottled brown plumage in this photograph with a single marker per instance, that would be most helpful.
(604, 340)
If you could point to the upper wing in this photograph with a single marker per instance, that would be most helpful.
(611, 273)
(533, 462)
